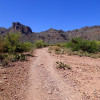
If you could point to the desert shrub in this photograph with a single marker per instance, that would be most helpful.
(12, 45)
(1, 45)
(98, 44)
(77, 44)
(89, 46)
(24, 47)
(40, 44)
(51, 44)
(11, 57)
(60, 44)
(20, 57)
(45, 45)
(56, 48)
(10, 42)
(82, 53)
(6, 58)
(61, 65)
(50, 49)
(11, 49)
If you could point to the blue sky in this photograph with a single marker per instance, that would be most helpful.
(41, 15)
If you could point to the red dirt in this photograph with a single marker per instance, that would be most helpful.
(39, 79)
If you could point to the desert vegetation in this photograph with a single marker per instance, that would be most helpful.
(77, 46)
(12, 49)
(40, 44)
(61, 65)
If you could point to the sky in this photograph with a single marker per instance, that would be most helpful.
(41, 15)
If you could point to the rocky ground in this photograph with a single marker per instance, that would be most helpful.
(39, 79)
(14, 81)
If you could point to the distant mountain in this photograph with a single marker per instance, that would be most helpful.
(52, 35)
(2, 30)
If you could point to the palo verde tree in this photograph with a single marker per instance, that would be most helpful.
(10, 42)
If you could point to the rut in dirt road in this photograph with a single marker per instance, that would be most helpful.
(46, 83)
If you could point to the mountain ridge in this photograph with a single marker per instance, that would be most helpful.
(52, 36)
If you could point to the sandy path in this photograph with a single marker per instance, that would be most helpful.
(39, 79)
(46, 83)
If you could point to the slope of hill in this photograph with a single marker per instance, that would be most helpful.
(52, 35)
(2, 30)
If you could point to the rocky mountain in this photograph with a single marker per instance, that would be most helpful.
(52, 35)
(17, 27)
(2, 30)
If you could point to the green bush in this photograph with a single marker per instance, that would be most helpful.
(98, 44)
(90, 46)
(11, 48)
(1, 45)
(20, 57)
(77, 44)
(51, 44)
(60, 44)
(40, 44)
(12, 45)
(10, 42)
(24, 47)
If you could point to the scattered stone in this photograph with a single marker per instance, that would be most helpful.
(49, 92)
(1, 89)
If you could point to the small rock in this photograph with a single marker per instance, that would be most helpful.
(4, 77)
(49, 92)
(4, 73)
(88, 97)
(1, 89)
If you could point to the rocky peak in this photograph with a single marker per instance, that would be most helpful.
(51, 30)
(20, 28)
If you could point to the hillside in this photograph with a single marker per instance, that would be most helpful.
(52, 35)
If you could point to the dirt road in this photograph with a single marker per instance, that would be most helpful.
(46, 83)
(39, 79)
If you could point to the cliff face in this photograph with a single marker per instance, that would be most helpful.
(52, 35)
(20, 28)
